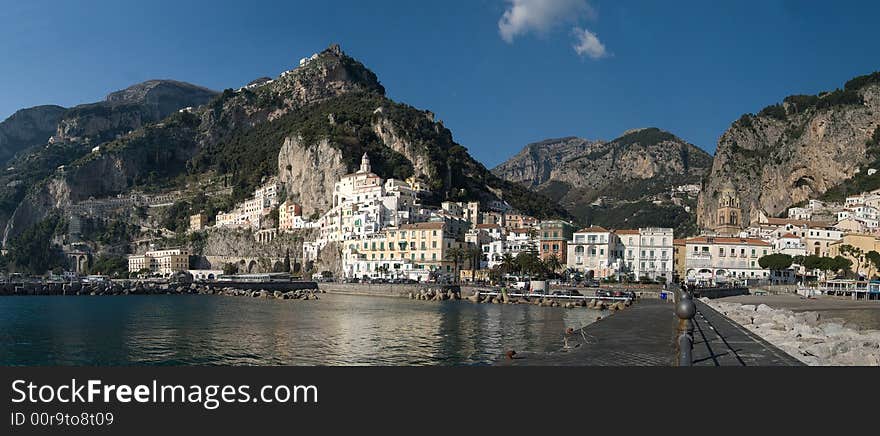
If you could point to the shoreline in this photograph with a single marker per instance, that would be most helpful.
(799, 328)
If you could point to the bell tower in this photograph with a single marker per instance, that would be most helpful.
(728, 218)
(365, 164)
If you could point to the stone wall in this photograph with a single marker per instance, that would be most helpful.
(382, 289)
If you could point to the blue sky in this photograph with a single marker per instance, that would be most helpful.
(499, 73)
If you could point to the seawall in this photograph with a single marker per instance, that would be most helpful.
(383, 289)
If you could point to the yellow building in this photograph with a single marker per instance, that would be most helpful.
(678, 258)
(412, 250)
(162, 262)
(198, 222)
(860, 241)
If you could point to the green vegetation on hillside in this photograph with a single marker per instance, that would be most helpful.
(861, 182)
(645, 137)
(33, 252)
(640, 214)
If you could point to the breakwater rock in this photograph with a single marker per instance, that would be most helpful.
(806, 336)
(150, 288)
(548, 301)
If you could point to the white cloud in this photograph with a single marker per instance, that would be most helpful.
(588, 44)
(524, 16)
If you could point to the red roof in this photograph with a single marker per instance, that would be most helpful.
(733, 241)
(422, 226)
(488, 226)
(627, 232)
(593, 229)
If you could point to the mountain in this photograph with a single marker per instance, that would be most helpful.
(129, 109)
(808, 146)
(59, 136)
(622, 177)
(307, 126)
(535, 163)
(27, 128)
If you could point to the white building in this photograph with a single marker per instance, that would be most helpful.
(790, 244)
(363, 205)
(595, 252)
(162, 262)
(647, 252)
(716, 260)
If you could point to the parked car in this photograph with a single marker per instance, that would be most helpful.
(603, 293)
(568, 293)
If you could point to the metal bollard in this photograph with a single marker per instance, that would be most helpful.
(685, 310)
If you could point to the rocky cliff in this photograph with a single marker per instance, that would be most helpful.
(795, 150)
(129, 109)
(535, 163)
(27, 128)
(626, 171)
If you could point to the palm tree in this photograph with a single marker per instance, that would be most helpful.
(455, 255)
(553, 263)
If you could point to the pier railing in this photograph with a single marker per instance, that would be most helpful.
(685, 310)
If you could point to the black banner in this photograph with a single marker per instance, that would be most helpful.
(126, 400)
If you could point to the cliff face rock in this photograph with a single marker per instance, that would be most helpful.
(27, 128)
(129, 109)
(309, 172)
(416, 153)
(536, 162)
(795, 150)
(576, 172)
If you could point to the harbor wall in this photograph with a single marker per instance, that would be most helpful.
(383, 289)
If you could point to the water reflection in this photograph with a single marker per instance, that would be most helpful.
(336, 330)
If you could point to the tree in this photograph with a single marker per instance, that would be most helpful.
(873, 258)
(455, 255)
(553, 263)
(508, 264)
(475, 256)
(854, 253)
(230, 269)
(287, 261)
(775, 262)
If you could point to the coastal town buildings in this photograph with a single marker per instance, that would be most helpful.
(419, 251)
(198, 222)
(715, 260)
(862, 244)
(253, 211)
(553, 238)
(363, 205)
(594, 252)
(162, 262)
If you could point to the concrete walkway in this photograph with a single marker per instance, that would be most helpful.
(719, 341)
(645, 335)
(640, 335)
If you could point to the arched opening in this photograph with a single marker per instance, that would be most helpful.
(252, 266)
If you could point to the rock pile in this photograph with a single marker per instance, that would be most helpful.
(805, 335)
(478, 297)
(150, 288)
(429, 294)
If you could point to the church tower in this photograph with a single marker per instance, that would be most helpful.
(728, 218)
(365, 165)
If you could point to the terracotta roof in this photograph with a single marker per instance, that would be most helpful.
(627, 232)
(679, 241)
(785, 221)
(593, 229)
(747, 241)
(488, 226)
(789, 236)
(419, 226)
